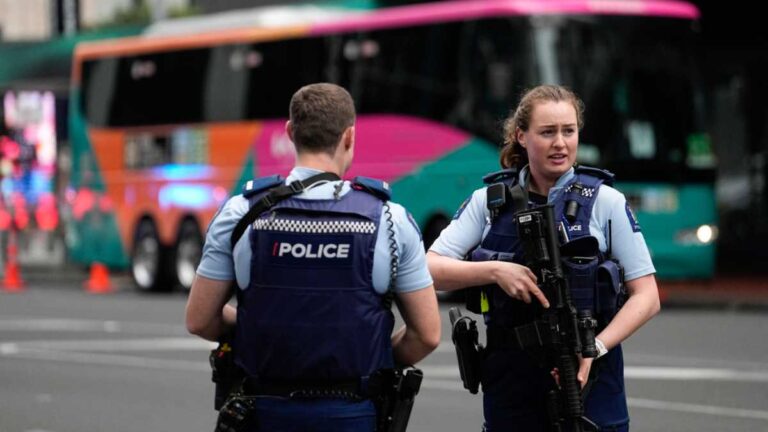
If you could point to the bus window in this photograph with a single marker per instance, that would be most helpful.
(98, 89)
(420, 81)
(226, 91)
(285, 66)
(639, 106)
(497, 66)
(162, 88)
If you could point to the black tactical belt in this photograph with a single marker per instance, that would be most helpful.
(348, 389)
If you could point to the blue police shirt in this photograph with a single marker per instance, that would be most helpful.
(218, 262)
(471, 224)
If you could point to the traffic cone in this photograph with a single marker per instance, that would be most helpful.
(12, 281)
(98, 282)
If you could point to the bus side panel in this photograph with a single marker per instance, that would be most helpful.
(438, 187)
(387, 147)
(169, 192)
(669, 216)
(92, 233)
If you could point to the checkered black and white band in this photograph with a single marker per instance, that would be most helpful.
(585, 192)
(315, 227)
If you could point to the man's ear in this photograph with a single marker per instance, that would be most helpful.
(349, 139)
(289, 129)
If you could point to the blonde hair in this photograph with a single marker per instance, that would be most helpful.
(513, 154)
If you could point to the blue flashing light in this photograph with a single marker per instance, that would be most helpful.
(181, 172)
(188, 196)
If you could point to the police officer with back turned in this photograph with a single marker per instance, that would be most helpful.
(317, 263)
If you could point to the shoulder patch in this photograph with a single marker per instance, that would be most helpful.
(632, 218)
(262, 183)
(602, 174)
(215, 215)
(498, 176)
(461, 208)
(377, 187)
(413, 222)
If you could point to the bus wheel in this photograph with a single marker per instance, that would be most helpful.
(147, 257)
(189, 249)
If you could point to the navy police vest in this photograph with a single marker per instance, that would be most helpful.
(310, 312)
(595, 282)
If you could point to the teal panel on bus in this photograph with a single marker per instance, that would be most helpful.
(248, 173)
(440, 186)
(669, 216)
(85, 171)
(93, 235)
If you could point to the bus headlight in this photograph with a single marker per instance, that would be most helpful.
(702, 235)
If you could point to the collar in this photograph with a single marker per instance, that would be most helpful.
(301, 173)
(559, 185)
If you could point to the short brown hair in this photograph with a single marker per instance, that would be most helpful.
(513, 154)
(319, 114)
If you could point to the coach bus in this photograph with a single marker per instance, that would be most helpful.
(166, 126)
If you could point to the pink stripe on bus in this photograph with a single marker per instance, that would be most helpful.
(459, 10)
(387, 147)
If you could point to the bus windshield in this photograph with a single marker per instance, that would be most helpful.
(636, 76)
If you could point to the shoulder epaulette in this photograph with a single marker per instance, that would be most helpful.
(377, 187)
(498, 176)
(257, 185)
(602, 174)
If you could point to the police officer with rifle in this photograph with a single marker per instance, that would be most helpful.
(554, 259)
(317, 264)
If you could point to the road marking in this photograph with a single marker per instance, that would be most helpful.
(438, 377)
(685, 361)
(188, 343)
(109, 359)
(645, 373)
(686, 374)
(438, 384)
(697, 409)
(74, 325)
(57, 350)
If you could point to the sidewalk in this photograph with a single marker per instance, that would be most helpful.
(722, 292)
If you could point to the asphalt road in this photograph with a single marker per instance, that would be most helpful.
(122, 362)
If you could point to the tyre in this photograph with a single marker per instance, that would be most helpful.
(147, 259)
(187, 253)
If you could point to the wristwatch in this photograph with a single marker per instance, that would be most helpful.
(601, 349)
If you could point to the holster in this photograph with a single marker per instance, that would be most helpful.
(394, 392)
(469, 352)
(226, 375)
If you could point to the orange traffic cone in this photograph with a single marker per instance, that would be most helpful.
(99, 282)
(12, 281)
